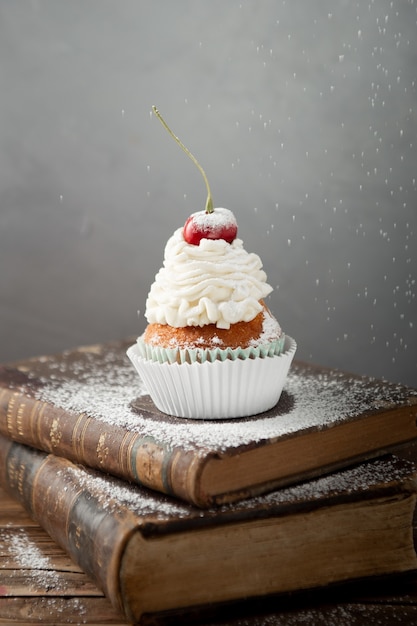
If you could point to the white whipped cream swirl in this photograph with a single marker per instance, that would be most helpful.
(213, 283)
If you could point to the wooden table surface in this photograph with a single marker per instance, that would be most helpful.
(40, 584)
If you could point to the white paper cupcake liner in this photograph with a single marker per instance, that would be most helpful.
(201, 355)
(215, 390)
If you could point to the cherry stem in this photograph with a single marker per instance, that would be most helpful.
(209, 201)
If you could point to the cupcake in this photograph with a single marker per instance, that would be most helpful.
(211, 349)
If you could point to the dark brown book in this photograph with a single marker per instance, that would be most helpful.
(89, 405)
(156, 557)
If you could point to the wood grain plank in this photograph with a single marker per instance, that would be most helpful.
(58, 610)
(18, 583)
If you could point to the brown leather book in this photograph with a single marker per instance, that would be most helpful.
(89, 405)
(156, 557)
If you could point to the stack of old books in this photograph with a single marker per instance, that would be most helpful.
(170, 515)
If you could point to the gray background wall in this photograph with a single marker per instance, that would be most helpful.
(303, 115)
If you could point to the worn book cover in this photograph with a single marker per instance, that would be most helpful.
(89, 405)
(155, 556)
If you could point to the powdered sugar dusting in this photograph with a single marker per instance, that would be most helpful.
(271, 330)
(355, 479)
(218, 219)
(353, 612)
(112, 493)
(104, 385)
(22, 549)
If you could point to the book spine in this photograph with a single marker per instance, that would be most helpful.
(99, 445)
(71, 515)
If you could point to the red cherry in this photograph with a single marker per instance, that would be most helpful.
(219, 224)
(209, 224)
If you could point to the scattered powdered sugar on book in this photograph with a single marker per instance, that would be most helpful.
(112, 493)
(355, 612)
(103, 385)
(23, 550)
(354, 480)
